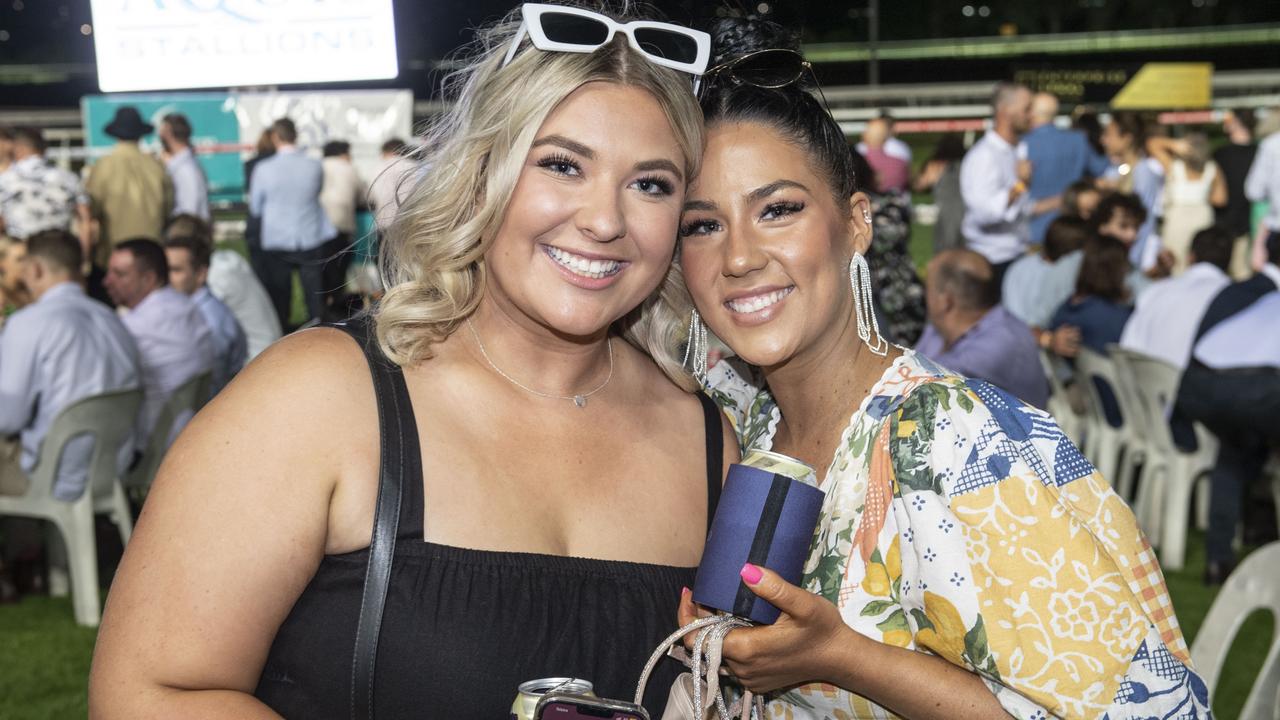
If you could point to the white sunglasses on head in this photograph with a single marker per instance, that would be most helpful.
(558, 28)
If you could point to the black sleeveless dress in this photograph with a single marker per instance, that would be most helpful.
(463, 628)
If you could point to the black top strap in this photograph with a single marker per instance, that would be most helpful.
(715, 454)
(400, 461)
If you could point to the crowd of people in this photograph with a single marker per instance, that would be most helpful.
(136, 236)
(531, 330)
(1138, 240)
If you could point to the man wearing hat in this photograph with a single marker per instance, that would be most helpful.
(131, 192)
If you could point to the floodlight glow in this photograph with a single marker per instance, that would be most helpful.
(172, 44)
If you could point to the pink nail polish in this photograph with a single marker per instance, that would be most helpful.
(751, 574)
(684, 591)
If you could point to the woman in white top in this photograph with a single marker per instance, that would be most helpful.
(1193, 187)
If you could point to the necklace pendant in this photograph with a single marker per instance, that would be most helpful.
(580, 400)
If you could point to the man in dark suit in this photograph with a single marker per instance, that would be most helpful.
(1232, 386)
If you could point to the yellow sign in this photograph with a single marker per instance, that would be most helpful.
(1167, 86)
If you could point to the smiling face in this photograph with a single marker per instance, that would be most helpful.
(765, 247)
(591, 226)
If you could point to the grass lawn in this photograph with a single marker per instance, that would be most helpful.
(44, 655)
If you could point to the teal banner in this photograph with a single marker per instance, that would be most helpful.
(215, 132)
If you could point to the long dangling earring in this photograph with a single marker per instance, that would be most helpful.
(863, 306)
(696, 347)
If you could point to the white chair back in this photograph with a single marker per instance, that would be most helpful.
(1071, 422)
(102, 417)
(1113, 434)
(1169, 476)
(108, 418)
(190, 396)
(1254, 585)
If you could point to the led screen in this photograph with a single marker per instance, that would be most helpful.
(173, 44)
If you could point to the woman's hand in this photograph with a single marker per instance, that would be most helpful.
(809, 643)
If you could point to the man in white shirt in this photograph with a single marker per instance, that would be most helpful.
(1263, 181)
(174, 342)
(393, 183)
(1167, 314)
(190, 187)
(994, 176)
(60, 349)
(231, 279)
(341, 191)
(36, 195)
(339, 197)
(188, 258)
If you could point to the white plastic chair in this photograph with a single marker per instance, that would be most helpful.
(109, 419)
(1072, 423)
(190, 396)
(1170, 473)
(1254, 585)
(1110, 441)
(1137, 423)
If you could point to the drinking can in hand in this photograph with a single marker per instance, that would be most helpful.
(532, 691)
(767, 515)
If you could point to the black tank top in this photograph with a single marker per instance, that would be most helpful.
(463, 628)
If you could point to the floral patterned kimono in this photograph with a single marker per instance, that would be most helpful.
(962, 522)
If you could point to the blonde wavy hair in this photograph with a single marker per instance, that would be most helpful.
(471, 157)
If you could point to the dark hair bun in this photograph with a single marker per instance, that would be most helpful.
(733, 37)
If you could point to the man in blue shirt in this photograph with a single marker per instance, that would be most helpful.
(285, 193)
(971, 334)
(189, 258)
(58, 350)
(1058, 158)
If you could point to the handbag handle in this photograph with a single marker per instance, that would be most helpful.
(711, 632)
(397, 437)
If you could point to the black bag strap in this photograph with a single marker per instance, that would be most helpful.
(715, 453)
(398, 435)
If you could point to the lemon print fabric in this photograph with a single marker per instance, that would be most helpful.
(961, 522)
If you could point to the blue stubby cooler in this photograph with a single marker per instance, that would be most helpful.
(764, 518)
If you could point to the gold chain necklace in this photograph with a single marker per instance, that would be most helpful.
(580, 399)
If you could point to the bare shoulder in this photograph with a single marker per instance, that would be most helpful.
(248, 489)
(680, 409)
(319, 355)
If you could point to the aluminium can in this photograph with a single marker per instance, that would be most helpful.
(532, 691)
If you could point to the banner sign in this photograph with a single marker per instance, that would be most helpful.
(225, 126)
(1076, 84)
(173, 44)
(215, 133)
(1150, 86)
(1163, 86)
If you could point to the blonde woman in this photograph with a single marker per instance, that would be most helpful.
(566, 470)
